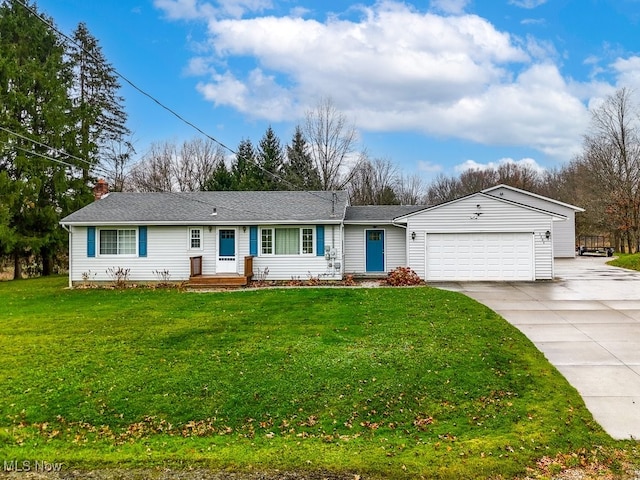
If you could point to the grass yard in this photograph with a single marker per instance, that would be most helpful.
(381, 382)
(630, 261)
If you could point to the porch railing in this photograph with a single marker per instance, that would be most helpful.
(248, 267)
(196, 266)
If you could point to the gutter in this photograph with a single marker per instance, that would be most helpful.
(66, 227)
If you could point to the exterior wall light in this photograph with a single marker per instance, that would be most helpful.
(413, 235)
(547, 234)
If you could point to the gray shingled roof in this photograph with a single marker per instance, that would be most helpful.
(197, 208)
(379, 213)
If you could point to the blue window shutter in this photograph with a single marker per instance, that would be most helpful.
(142, 241)
(253, 241)
(91, 241)
(320, 240)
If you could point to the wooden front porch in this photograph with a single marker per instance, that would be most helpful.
(198, 280)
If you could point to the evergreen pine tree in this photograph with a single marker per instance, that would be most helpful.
(98, 106)
(36, 187)
(243, 170)
(270, 158)
(299, 170)
(221, 179)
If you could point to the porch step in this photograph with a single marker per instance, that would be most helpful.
(211, 281)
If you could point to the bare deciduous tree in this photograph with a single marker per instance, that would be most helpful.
(154, 172)
(443, 189)
(477, 179)
(411, 190)
(373, 182)
(166, 169)
(612, 157)
(331, 139)
(116, 163)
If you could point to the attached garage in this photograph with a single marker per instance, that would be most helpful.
(480, 237)
(479, 256)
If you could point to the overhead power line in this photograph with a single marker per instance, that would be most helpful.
(57, 150)
(46, 157)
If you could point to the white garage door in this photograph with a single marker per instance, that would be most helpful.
(479, 256)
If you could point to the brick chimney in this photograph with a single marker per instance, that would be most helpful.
(100, 189)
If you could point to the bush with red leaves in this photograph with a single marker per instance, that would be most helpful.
(403, 277)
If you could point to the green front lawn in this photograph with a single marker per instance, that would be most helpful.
(626, 260)
(388, 382)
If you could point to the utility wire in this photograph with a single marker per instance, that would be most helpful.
(158, 102)
(57, 150)
(47, 157)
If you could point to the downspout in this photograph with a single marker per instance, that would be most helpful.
(70, 255)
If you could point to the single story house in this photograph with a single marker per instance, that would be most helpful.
(287, 234)
(298, 235)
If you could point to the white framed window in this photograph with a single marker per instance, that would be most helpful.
(121, 241)
(195, 238)
(287, 241)
(266, 241)
(307, 241)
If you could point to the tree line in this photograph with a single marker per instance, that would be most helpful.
(59, 112)
(604, 178)
(63, 126)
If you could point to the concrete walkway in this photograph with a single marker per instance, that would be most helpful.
(587, 323)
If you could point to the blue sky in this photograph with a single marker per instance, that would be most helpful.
(434, 86)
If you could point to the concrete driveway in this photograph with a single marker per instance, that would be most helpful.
(587, 323)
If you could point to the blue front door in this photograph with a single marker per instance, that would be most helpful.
(375, 250)
(227, 261)
(227, 243)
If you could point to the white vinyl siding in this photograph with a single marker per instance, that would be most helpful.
(495, 216)
(563, 231)
(168, 250)
(355, 247)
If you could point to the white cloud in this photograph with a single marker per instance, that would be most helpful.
(299, 11)
(628, 71)
(527, 3)
(533, 21)
(398, 69)
(391, 59)
(259, 95)
(199, 66)
(429, 167)
(524, 162)
(455, 7)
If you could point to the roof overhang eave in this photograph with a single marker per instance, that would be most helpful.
(201, 222)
